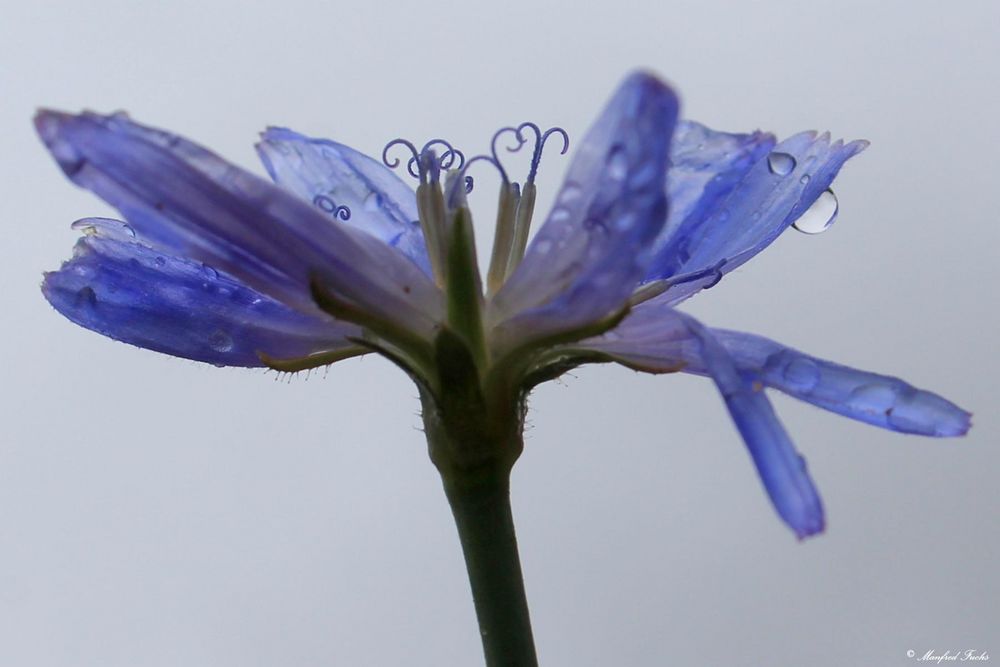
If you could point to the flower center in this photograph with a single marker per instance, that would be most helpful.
(438, 207)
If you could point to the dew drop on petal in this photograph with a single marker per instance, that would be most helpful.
(544, 247)
(570, 193)
(617, 164)
(781, 164)
(559, 215)
(802, 374)
(209, 272)
(820, 216)
(805, 179)
(160, 261)
(905, 417)
(103, 226)
(220, 341)
(873, 398)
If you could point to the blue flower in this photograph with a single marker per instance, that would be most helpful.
(339, 257)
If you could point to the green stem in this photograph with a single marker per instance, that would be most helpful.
(481, 505)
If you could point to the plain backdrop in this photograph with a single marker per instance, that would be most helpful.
(156, 511)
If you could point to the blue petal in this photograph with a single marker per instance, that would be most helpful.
(380, 203)
(705, 168)
(875, 399)
(188, 202)
(133, 293)
(750, 216)
(781, 468)
(593, 249)
(655, 337)
(664, 340)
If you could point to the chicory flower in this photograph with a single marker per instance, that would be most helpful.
(339, 257)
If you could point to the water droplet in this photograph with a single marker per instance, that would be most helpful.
(104, 227)
(805, 179)
(86, 297)
(802, 374)
(820, 216)
(559, 215)
(161, 261)
(570, 193)
(617, 163)
(781, 164)
(209, 272)
(873, 398)
(220, 341)
(543, 247)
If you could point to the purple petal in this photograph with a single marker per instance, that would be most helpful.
(656, 338)
(188, 202)
(751, 215)
(319, 170)
(705, 167)
(135, 294)
(593, 249)
(663, 339)
(875, 399)
(781, 468)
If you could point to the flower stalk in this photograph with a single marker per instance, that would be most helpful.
(480, 503)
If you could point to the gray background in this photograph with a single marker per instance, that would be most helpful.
(155, 511)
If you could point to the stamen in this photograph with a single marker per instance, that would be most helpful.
(493, 149)
(540, 139)
(392, 164)
(329, 206)
(424, 164)
(449, 156)
(452, 194)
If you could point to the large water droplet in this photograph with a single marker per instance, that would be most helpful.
(220, 341)
(802, 374)
(781, 164)
(820, 215)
